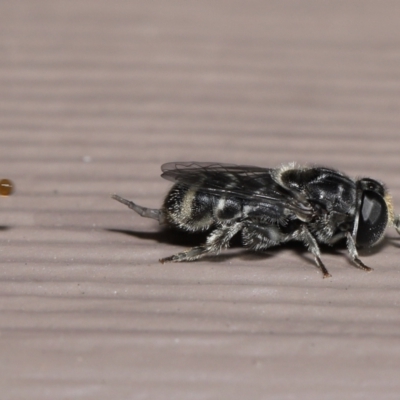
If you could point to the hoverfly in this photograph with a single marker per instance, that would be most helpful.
(272, 206)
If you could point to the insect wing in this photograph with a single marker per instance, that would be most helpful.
(247, 182)
(217, 178)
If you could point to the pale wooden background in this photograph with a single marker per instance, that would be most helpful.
(95, 96)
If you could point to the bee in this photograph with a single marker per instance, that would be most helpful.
(272, 206)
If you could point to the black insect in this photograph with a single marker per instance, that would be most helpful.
(271, 206)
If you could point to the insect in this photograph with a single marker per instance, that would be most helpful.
(272, 206)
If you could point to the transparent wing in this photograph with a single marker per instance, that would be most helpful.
(243, 181)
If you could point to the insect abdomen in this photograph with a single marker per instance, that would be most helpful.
(192, 209)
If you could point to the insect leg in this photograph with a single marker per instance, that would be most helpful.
(153, 213)
(218, 240)
(396, 223)
(351, 246)
(259, 237)
(312, 246)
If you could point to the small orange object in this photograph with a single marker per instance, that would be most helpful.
(6, 187)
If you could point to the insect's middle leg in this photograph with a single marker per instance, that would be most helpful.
(258, 237)
(308, 239)
(219, 239)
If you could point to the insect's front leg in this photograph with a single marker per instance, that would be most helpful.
(396, 223)
(218, 239)
(351, 246)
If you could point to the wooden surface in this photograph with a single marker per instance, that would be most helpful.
(95, 96)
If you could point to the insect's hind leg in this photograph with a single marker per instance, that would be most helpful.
(219, 239)
(153, 213)
(190, 255)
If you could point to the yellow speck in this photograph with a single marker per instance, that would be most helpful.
(6, 187)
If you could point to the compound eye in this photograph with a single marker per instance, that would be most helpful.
(373, 219)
